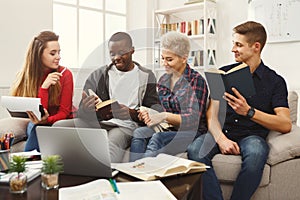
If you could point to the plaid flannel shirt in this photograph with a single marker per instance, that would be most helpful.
(188, 98)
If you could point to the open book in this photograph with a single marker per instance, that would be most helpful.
(238, 77)
(104, 109)
(101, 189)
(18, 106)
(163, 165)
(98, 189)
(161, 127)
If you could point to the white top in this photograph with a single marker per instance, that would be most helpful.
(124, 86)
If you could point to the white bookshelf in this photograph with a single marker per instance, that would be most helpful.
(201, 18)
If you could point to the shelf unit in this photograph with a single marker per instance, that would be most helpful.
(198, 21)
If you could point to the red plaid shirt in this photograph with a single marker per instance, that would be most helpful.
(188, 98)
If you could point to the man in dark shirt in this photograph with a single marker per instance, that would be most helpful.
(248, 120)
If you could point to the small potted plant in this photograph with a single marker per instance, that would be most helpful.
(18, 180)
(52, 166)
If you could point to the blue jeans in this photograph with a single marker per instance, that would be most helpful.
(170, 142)
(139, 142)
(31, 142)
(254, 152)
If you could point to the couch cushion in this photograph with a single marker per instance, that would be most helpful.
(293, 105)
(15, 125)
(227, 168)
(284, 146)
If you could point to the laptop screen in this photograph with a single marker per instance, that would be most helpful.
(84, 151)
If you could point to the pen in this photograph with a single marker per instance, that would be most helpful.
(63, 70)
(116, 187)
(112, 184)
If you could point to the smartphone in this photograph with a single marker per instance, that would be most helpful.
(41, 109)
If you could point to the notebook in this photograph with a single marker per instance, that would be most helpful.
(17, 106)
(84, 151)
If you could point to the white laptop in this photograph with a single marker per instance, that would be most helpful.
(84, 151)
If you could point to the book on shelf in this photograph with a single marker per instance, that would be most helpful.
(18, 106)
(238, 77)
(196, 58)
(163, 165)
(104, 109)
(102, 189)
(192, 27)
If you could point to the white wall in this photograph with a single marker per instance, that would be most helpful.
(20, 21)
(140, 26)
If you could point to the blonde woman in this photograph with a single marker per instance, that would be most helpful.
(182, 93)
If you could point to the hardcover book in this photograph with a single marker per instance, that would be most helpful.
(104, 109)
(238, 77)
(18, 106)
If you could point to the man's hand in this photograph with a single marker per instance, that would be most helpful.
(143, 115)
(238, 103)
(35, 120)
(228, 146)
(88, 102)
(123, 112)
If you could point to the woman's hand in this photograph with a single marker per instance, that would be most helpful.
(35, 120)
(155, 119)
(51, 79)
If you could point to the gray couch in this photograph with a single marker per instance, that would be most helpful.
(281, 173)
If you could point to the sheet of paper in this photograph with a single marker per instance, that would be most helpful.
(146, 190)
(26, 153)
(22, 104)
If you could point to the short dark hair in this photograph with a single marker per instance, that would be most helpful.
(121, 36)
(254, 31)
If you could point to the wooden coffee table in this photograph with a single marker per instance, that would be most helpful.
(182, 187)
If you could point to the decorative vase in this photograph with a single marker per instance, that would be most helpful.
(18, 183)
(50, 181)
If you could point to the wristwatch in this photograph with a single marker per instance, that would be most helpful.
(250, 113)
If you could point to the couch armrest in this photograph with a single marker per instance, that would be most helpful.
(15, 125)
(283, 146)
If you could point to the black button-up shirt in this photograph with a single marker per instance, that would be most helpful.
(271, 92)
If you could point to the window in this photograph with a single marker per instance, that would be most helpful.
(84, 26)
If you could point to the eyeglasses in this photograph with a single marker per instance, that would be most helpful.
(120, 53)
